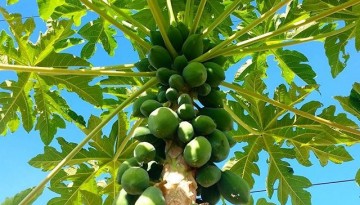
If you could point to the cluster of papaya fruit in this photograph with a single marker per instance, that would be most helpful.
(174, 115)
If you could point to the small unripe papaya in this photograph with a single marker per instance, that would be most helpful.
(197, 152)
(156, 38)
(203, 125)
(151, 196)
(148, 106)
(215, 74)
(184, 99)
(219, 146)
(185, 131)
(139, 101)
(163, 122)
(233, 188)
(163, 74)
(221, 117)
(123, 198)
(135, 180)
(208, 175)
(132, 162)
(177, 82)
(172, 94)
(193, 46)
(175, 37)
(144, 152)
(214, 99)
(194, 74)
(159, 57)
(180, 62)
(186, 112)
(211, 195)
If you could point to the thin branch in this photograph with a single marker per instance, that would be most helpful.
(243, 31)
(198, 16)
(126, 31)
(126, 139)
(291, 109)
(104, 122)
(171, 12)
(226, 13)
(296, 24)
(159, 19)
(128, 18)
(232, 50)
(58, 71)
(188, 12)
(240, 122)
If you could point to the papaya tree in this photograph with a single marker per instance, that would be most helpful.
(175, 126)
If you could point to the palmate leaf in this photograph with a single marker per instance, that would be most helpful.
(352, 103)
(14, 98)
(357, 177)
(98, 31)
(285, 136)
(15, 200)
(83, 177)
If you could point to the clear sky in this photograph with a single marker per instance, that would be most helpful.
(18, 148)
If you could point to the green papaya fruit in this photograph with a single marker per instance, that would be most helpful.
(161, 96)
(143, 65)
(203, 125)
(214, 99)
(197, 152)
(163, 75)
(221, 117)
(184, 99)
(148, 106)
(211, 195)
(194, 74)
(220, 60)
(185, 132)
(215, 74)
(132, 162)
(180, 62)
(193, 46)
(207, 45)
(177, 82)
(123, 198)
(159, 57)
(135, 180)
(175, 37)
(154, 170)
(184, 30)
(186, 112)
(171, 94)
(163, 123)
(208, 175)
(233, 188)
(139, 101)
(219, 145)
(230, 139)
(151, 196)
(143, 134)
(144, 152)
(156, 38)
(203, 90)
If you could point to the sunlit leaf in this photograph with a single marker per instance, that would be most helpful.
(15, 200)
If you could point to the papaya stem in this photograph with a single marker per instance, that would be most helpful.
(294, 25)
(126, 31)
(58, 71)
(62, 163)
(306, 115)
(226, 13)
(171, 12)
(233, 50)
(243, 31)
(197, 16)
(162, 25)
(188, 12)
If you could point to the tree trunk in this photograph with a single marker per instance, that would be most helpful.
(178, 186)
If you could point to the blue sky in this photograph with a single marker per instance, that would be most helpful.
(18, 148)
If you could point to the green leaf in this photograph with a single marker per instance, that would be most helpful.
(335, 52)
(62, 60)
(357, 36)
(14, 99)
(293, 63)
(257, 63)
(90, 197)
(98, 31)
(79, 85)
(71, 9)
(47, 7)
(289, 184)
(15, 200)
(352, 103)
(263, 201)
(357, 177)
